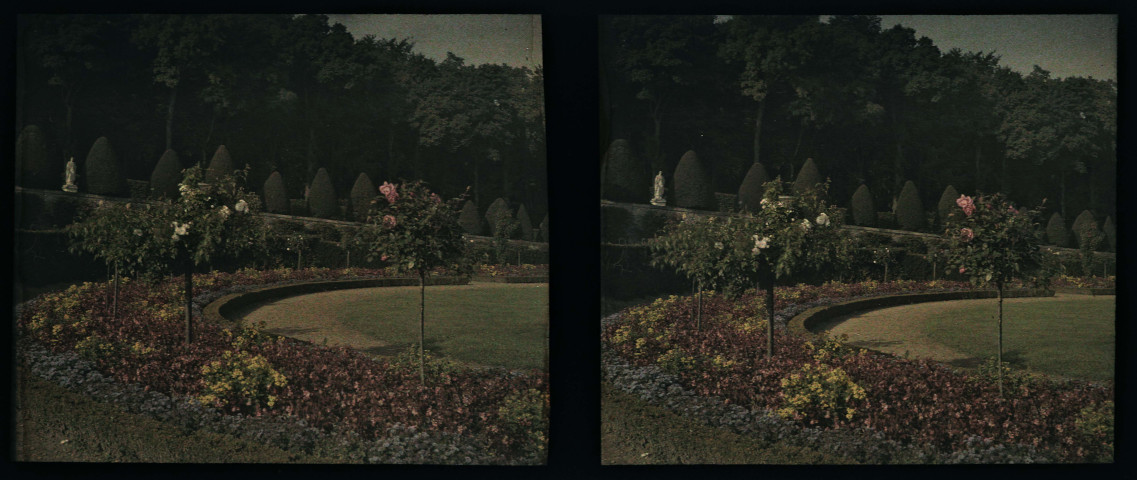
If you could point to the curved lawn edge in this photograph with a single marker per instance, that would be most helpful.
(803, 323)
(1087, 290)
(220, 309)
(527, 279)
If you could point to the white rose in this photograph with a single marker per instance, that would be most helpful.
(805, 224)
(718, 245)
(224, 211)
(823, 219)
(241, 206)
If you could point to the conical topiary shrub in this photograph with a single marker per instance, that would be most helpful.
(104, 175)
(361, 195)
(807, 178)
(276, 199)
(947, 205)
(31, 156)
(909, 208)
(322, 201)
(1056, 231)
(545, 228)
(693, 184)
(524, 223)
(497, 215)
(864, 212)
(220, 166)
(166, 176)
(469, 219)
(1085, 220)
(625, 178)
(750, 192)
(1110, 231)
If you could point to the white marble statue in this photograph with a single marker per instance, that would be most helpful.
(658, 198)
(70, 177)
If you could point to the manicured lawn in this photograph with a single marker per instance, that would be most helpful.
(634, 432)
(498, 324)
(1068, 336)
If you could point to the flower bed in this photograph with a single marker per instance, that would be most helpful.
(248, 374)
(926, 407)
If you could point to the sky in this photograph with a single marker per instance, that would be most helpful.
(1064, 45)
(514, 40)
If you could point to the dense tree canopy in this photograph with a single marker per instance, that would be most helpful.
(286, 93)
(870, 104)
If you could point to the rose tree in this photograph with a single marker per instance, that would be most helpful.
(416, 231)
(788, 234)
(992, 242)
(694, 247)
(207, 220)
(120, 234)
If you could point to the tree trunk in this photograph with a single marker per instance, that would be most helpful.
(758, 131)
(114, 304)
(699, 315)
(999, 288)
(1062, 194)
(170, 117)
(770, 315)
(189, 298)
(979, 165)
(422, 326)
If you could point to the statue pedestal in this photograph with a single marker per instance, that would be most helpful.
(70, 189)
(659, 202)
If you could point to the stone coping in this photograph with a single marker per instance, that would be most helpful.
(803, 323)
(1087, 290)
(220, 309)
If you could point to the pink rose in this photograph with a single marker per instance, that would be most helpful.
(434, 196)
(383, 258)
(389, 221)
(389, 191)
(966, 204)
(967, 234)
(1012, 210)
(961, 269)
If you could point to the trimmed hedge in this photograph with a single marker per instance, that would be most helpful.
(220, 166)
(166, 176)
(1056, 231)
(693, 184)
(807, 178)
(909, 209)
(276, 200)
(623, 175)
(545, 228)
(469, 219)
(946, 205)
(498, 210)
(864, 213)
(525, 223)
(322, 196)
(104, 174)
(1110, 231)
(751, 190)
(361, 195)
(1085, 220)
(31, 155)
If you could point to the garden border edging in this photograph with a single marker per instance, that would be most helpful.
(218, 310)
(802, 323)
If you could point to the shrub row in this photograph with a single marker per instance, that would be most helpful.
(914, 403)
(328, 388)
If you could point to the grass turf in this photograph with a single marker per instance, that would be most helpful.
(633, 432)
(1068, 336)
(497, 324)
(54, 424)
